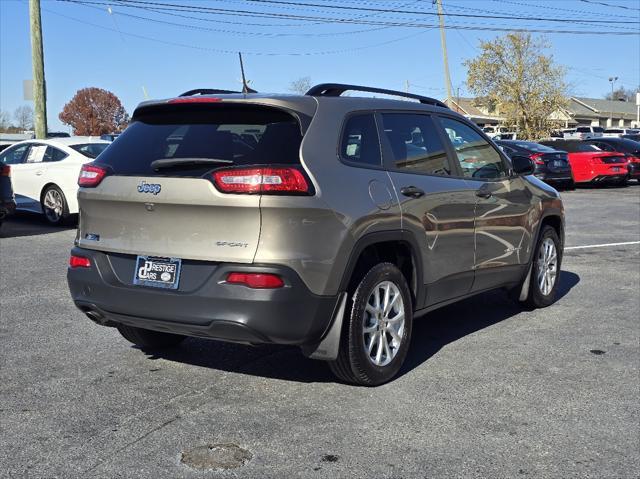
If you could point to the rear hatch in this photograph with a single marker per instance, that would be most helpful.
(555, 162)
(184, 180)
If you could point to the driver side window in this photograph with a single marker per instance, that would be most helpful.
(477, 158)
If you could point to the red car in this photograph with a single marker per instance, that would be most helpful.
(623, 146)
(589, 164)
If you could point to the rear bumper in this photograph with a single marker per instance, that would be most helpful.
(634, 170)
(203, 305)
(7, 208)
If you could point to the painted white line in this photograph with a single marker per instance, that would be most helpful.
(604, 245)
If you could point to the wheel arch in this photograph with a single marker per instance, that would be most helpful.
(397, 247)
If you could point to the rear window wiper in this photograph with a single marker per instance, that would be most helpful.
(171, 162)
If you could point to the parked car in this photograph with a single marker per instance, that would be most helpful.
(110, 136)
(58, 134)
(583, 132)
(635, 137)
(45, 173)
(500, 132)
(7, 199)
(629, 148)
(301, 239)
(617, 132)
(589, 164)
(551, 166)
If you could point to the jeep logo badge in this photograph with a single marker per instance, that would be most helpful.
(144, 187)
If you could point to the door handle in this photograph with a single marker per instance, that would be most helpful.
(483, 194)
(39, 172)
(412, 191)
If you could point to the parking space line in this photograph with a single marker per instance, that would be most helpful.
(603, 245)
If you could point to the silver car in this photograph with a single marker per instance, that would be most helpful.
(322, 221)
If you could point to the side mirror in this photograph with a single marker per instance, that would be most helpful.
(522, 165)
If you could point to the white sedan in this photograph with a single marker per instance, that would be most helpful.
(45, 173)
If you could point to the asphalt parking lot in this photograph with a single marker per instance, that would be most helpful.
(488, 390)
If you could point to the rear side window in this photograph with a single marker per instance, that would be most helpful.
(360, 142)
(415, 144)
(583, 129)
(237, 135)
(53, 154)
(598, 129)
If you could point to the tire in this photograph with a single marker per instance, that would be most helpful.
(54, 206)
(148, 339)
(540, 294)
(355, 364)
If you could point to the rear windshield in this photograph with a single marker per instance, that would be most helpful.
(90, 150)
(237, 135)
(572, 146)
(531, 146)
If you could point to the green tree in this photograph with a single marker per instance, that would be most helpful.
(513, 72)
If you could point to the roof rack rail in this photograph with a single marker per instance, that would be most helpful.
(337, 89)
(207, 91)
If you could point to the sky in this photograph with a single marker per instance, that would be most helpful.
(161, 48)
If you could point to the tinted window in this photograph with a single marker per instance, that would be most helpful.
(53, 154)
(572, 146)
(531, 146)
(360, 141)
(477, 158)
(14, 155)
(415, 144)
(238, 135)
(603, 146)
(90, 150)
(598, 129)
(583, 129)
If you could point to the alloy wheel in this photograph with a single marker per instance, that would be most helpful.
(547, 266)
(383, 324)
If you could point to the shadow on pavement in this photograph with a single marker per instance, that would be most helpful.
(430, 334)
(30, 224)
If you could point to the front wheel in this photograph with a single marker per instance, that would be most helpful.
(545, 271)
(376, 334)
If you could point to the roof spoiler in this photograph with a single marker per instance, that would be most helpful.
(337, 89)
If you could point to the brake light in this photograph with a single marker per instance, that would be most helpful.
(79, 262)
(91, 175)
(256, 280)
(536, 158)
(260, 180)
(195, 99)
(596, 160)
(5, 170)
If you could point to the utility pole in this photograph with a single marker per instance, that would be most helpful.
(37, 62)
(612, 80)
(443, 42)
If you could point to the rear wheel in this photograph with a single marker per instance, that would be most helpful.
(54, 206)
(375, 337)
(545, 271)
(146, 338)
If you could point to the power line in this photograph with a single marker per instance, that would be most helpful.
(337, 20)
(610, 5)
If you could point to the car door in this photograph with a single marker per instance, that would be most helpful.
(22, 171)
(437, 204)
(28, 178)
(503, 224)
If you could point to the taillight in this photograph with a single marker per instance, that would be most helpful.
(91, 175)
(79, 262)
(5, 170)
(537, 158)
(260, 180)
(256, 280)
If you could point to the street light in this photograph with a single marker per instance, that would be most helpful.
(612, 80)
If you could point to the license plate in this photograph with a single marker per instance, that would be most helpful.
(559, 163)
(616, 168)
(157, 272)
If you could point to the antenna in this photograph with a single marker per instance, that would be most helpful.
(245, 86)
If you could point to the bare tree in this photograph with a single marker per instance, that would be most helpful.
(24, 117)
(301, 85)
(622, 93)
(5, 121)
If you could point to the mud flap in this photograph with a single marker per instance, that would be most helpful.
(327, 349)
